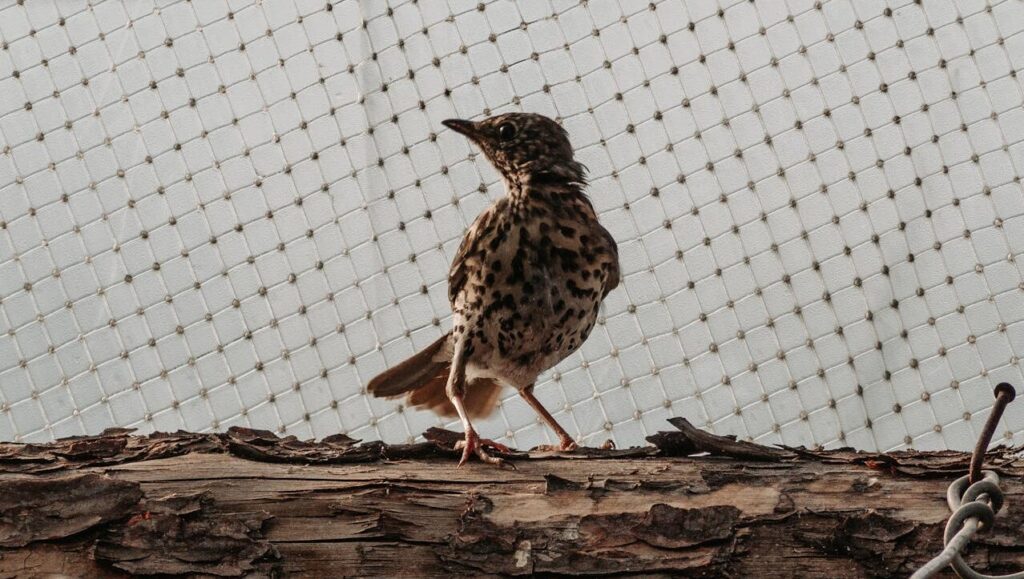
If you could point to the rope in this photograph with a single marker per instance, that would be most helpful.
(974, 500)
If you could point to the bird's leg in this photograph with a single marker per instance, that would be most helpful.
(473, 444)
(456, 389)
(566, 441)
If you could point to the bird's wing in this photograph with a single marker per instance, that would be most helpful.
(469, 250)
(609, 246)
(613, 266)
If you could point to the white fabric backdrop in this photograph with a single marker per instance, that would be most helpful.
(217, 213)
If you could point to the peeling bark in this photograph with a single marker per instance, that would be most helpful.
(53, 508)
(247, 503)
(177, 534)
(692, 440)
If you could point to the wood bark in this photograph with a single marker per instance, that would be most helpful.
(247, 503)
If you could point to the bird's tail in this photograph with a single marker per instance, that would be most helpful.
(423, 378)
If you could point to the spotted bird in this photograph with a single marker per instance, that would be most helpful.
(525, 286)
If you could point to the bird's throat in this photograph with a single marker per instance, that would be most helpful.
(553, 183)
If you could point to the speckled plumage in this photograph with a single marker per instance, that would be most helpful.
(526, 284)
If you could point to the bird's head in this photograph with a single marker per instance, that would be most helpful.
(521, 145)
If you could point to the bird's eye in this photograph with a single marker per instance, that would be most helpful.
(507, 131)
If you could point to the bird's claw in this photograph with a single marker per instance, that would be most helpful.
(473, 444)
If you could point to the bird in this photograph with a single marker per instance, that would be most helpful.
(525, 286)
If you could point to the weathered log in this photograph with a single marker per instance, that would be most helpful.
(37, 509)
(247, 503)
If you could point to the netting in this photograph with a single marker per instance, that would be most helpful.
(236, 213)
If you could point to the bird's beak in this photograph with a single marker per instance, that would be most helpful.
(464, 127)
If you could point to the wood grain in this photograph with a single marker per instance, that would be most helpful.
(246, 503)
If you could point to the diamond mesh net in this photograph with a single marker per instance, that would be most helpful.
(236, 213)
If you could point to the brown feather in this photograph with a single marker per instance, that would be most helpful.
(423, 377)
(480, 399)
(414, 372)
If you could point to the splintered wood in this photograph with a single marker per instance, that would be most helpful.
(247, 503)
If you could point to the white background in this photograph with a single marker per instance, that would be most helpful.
(236, 213)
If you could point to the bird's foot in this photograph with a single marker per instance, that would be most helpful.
(473, 444)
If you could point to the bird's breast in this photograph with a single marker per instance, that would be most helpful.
(534, 292)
